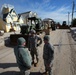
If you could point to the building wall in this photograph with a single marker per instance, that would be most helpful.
(8, 27)
(14, 16)
(17, 28)
(4, 26)
(21, 21)
(9, 19)
(25, 17)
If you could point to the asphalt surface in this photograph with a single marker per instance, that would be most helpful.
(64, 62)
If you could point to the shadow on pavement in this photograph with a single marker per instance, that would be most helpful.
(36, 73)
(18, 73)
(7, 65)
(10, 73)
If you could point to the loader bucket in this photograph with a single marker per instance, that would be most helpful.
(14, 37)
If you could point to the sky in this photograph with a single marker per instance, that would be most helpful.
(54, 9)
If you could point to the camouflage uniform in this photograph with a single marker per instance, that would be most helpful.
(48, 52)
(23, 57)
(32, 45)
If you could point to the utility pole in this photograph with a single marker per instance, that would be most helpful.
(73, 6)
(68, 18)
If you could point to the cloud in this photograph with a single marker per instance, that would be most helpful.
(47, 10)
(60, 14)
(44, 9)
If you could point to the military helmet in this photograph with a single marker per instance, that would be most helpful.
(46, 37)
(21, 40)
(33, 31)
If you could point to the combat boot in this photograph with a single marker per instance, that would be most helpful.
(32, 62)
(35, 64)
(45, 73)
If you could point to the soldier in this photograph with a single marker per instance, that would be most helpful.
(23, 56)
(33, 42)
(48, 54)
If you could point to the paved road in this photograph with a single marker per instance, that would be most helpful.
(64, 58)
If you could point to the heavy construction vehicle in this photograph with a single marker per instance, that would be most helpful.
(25, 29)
(48, 25)
(53, 25)
(36, 24)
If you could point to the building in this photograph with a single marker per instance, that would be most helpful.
(10, 19)
(47, 22)
(26, 15)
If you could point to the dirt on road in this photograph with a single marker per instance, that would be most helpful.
(64, 62)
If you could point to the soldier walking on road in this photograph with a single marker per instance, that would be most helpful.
(48, 55)
(33, 42)
(23, 56)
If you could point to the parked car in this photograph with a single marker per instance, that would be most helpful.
(1, 32)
